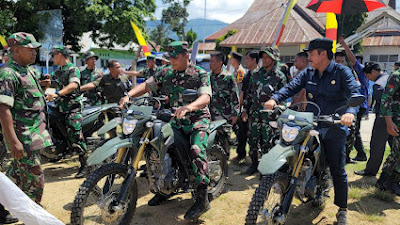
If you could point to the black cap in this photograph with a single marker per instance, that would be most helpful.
(237, 56)
(322, 43)
(369, 66)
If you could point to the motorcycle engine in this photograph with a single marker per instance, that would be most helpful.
(162, 176)
(305, 176)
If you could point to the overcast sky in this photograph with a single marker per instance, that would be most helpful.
(224, 10)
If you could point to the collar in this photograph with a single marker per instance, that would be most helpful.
(329, 69)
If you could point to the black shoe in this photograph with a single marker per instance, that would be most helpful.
(201, 204)
(8, 219)
(341, 217)
(252, 169)
(360, 158)
(158, 199)
(81, 173)
(363, 173)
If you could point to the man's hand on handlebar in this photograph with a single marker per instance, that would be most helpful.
(233, 119)
(347, 119)
(123, 101)
(270, 104)
(181, 111)
(51, 97)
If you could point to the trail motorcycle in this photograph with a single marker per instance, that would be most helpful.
(93, 120)
(109, 195)
(295, 167)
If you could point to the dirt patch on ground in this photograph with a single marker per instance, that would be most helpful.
(366, 204)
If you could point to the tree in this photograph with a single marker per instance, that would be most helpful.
(225, 50)
(191, 37)
(348, 24)
(176, 16)
(107, 19)
(160, 36)
(6, 17)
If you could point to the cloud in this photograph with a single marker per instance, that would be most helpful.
(224, 10)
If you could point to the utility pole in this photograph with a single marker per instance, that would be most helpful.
(204, 26)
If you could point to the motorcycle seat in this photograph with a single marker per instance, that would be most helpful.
(90, 110)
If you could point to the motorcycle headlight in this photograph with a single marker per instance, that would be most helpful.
(129, 125)
(289, 133)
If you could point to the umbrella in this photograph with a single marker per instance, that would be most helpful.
(345, 6)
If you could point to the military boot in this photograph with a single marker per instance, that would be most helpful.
(254, 163)
(83, 170)
(389, 183)
(6, 217)
(201, 204)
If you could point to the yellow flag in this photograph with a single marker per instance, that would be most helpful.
(331, 29)
(3, 41)
(140, 39)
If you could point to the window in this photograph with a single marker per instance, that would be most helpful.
(384, 58)
(287, 58)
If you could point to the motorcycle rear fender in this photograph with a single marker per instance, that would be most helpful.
(213, 131)
(108, 149)
(109, 126)
(275, 159)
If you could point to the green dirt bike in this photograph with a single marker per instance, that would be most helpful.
(109, 195)
(295, 167)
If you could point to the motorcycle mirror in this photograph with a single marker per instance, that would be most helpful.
(355, 100)
(268, 89)
(189, 95)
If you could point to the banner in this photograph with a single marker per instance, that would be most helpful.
(331, 29)
(140, 39)
(284, 20)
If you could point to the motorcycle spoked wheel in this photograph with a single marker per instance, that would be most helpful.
(267, 198)
(217, 160)
(93, 203)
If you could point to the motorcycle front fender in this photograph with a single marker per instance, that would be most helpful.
(275, 159)
(108, 149)
(109, 126)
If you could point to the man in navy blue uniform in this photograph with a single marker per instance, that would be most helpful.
(329, 85)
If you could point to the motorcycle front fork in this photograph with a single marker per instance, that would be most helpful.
(287, 201)
(127, 184)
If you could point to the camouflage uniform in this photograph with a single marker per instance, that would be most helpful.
(148, 72)
(71, 105)
(172, 84)
(88, 76)
(224, 102)
(21, 91)
(260, 130)
(390, 106)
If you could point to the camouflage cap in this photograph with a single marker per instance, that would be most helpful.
(23, 39)
(271, 52)
(89, 54)
(60, 49)
(176, 48)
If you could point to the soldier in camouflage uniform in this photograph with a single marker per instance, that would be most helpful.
(147, 72)
(224, 101)
(69, 101)
(260, 130)
(23, 118)
(390, 109)
(90, 74)
(396, 70)
(172, 81)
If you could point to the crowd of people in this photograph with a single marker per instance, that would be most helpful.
(320, 77)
